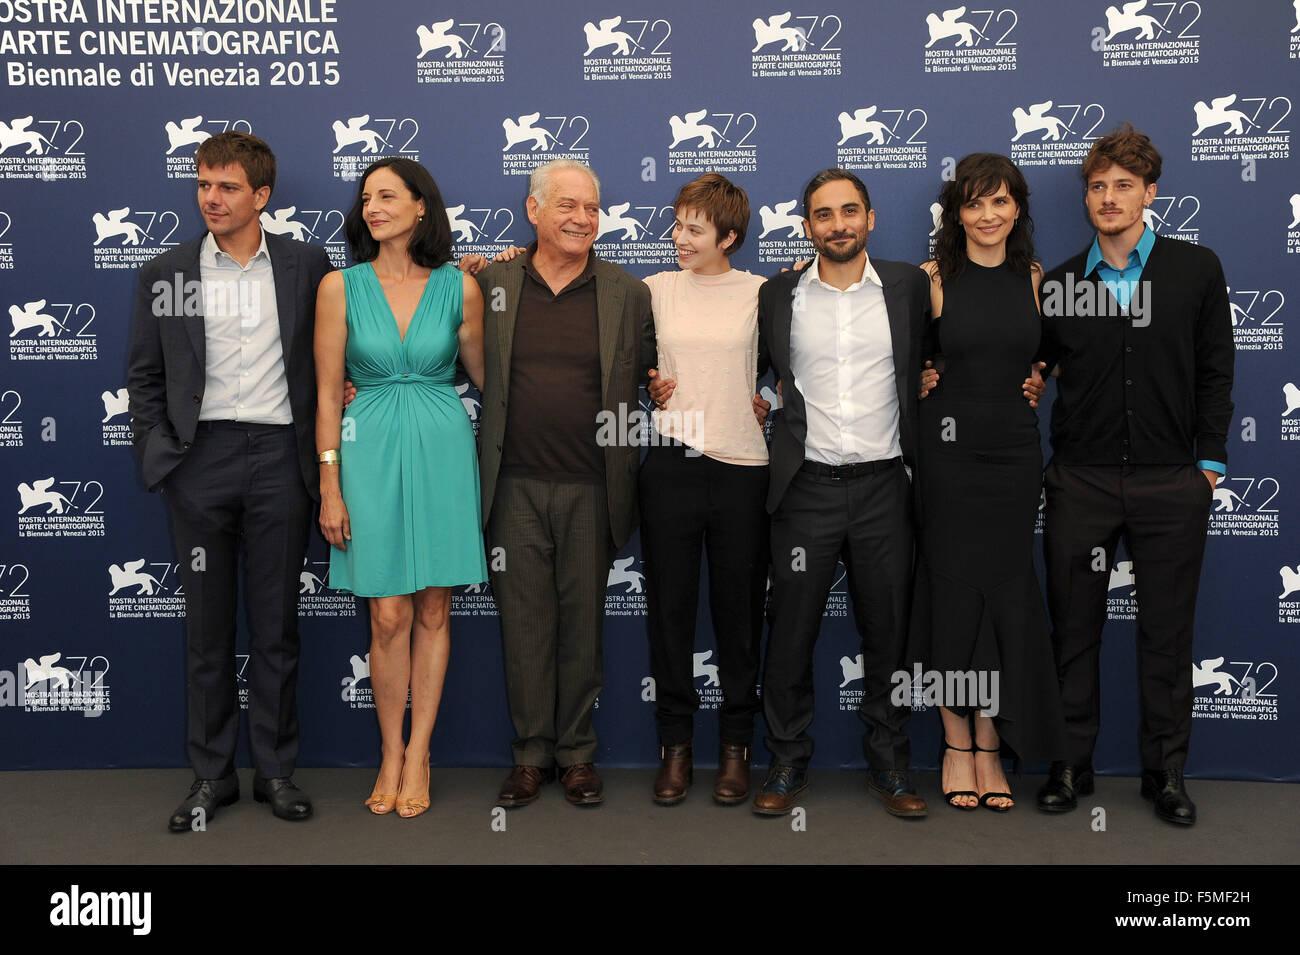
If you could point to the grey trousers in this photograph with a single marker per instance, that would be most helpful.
(550, 553)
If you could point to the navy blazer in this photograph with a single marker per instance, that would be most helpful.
(166, 367)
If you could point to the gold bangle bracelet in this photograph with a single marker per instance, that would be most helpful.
(328, 457)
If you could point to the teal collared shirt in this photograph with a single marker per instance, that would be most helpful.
(1122, 282)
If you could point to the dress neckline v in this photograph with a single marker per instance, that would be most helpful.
(419, 305)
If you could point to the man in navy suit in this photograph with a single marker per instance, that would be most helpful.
(222, 390)
(844, 337)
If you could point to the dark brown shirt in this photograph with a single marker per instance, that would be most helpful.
(555, 393)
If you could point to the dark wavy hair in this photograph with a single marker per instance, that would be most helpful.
(1126, 147)
(430, 244)
(976, 176)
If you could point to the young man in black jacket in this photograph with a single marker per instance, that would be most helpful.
(1141, 330)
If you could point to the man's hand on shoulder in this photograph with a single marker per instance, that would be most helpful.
(474, 264)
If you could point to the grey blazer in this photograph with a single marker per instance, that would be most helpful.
(627, 351)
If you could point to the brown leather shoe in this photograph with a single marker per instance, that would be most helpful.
(732, 786)
(781, 790)
(894, 789)
(582, 786)
(675, 774)
(523, 785)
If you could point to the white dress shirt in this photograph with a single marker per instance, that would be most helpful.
(842, 359)
(244, 374)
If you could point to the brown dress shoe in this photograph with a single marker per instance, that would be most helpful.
(523, 785)
(582, 786)
(780, 791)
(675, 774)
(732, 786)
(894, 789)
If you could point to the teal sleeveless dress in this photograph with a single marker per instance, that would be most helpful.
(409, 469)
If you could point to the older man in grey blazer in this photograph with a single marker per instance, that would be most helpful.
(567, 340)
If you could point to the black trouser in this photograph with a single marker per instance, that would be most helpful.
(239, 494)
(1161, 511)
(866, 521)
(550, 590)
(691, 503)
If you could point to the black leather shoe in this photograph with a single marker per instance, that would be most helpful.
(1063, 787)
(206, 796)
(894, 789)
(784, 785)
(287, 800)
(1165, 787)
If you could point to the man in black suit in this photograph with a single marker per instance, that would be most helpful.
(1141, 328)
(844, 337)
(222, 390)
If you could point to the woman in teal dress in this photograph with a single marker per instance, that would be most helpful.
(399, 475)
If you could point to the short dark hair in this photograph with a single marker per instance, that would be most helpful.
(233, 148)
(976, 176)
(721, 202)
(1127, 148)
(430, 244)
(830, 175)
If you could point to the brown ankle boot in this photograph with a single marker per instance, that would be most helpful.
(733, 775)
(675, 771)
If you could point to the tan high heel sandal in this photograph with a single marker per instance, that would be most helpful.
(417, 804)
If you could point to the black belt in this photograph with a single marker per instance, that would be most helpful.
(842, 472)
(254, 427)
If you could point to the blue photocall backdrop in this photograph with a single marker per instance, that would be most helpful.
(105, 100)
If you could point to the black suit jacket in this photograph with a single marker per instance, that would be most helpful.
(166, 370)
(907, 300)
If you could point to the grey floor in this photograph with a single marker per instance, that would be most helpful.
(119, 817)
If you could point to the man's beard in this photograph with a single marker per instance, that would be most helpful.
(1114, 227)
(845, 255)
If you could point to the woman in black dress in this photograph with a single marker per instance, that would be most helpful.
(978, 608)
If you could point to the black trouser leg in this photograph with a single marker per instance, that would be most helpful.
(673, 492)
